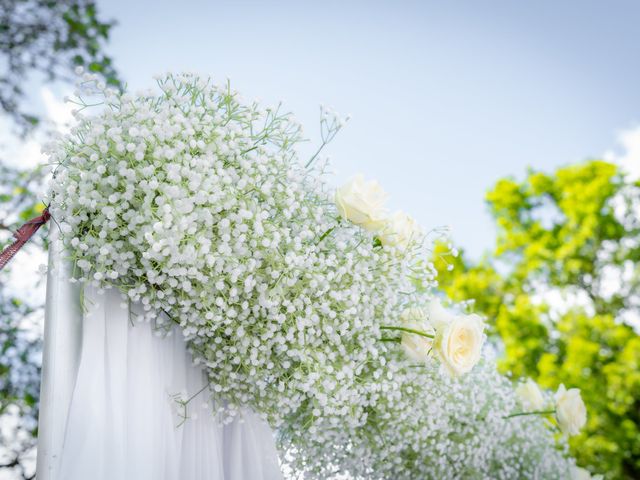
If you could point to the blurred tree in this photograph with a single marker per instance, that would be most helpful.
(562, 287)
(19, 385)
(20, 327)
(48, 38)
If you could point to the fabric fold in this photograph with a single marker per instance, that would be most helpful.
(125, 420)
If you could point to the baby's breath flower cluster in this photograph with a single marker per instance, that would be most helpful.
(306, 304)
(428, 425)
(195, 205)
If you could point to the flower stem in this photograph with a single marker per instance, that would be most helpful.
(325, 234)
(308, 164)
(408, 330)
(537, 412)
(388, 339)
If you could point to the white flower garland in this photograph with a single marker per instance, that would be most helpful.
(193, 204)
(296, 299)
(428, 425)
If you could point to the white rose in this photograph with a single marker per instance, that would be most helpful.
(416, 346)
(400, 230)
(530, 396)
(362, 203)
(459, 339)
(438, 317)
(570, 410)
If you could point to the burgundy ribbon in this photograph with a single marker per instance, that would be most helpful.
(23, 235)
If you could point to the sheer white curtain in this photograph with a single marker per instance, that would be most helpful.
(109, 408)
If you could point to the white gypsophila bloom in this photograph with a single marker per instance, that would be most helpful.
(363, 203)
(426, 425)
(194, 204)
(571, 412)
(530, 396)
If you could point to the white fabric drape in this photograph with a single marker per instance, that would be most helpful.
(123, 419)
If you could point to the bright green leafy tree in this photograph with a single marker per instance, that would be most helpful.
(561, 289)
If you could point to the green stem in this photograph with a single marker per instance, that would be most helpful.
(537, 412)
(325, 234)
(308, 164)
(408, 330)
(388, 339)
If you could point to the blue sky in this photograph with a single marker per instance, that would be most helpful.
(445, 97)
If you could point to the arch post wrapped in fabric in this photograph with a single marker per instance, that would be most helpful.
(227, 284)
(108, 398)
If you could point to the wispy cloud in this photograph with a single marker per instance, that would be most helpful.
(627, 151)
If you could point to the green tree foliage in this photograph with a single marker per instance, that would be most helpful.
(19, 384)
(560, 288)
(19, 333)
(48, 37)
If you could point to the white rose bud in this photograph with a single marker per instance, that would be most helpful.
(400, 230)
(416, 346)
(570, 410)
(362, 203)
(459, 339)
(530, 396)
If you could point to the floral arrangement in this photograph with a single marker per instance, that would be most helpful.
(309, 305)
(424, 424)
(429, 425)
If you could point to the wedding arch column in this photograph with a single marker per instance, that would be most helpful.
(110, 399)
(60, 358)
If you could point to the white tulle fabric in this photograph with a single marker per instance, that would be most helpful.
(123, 421)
